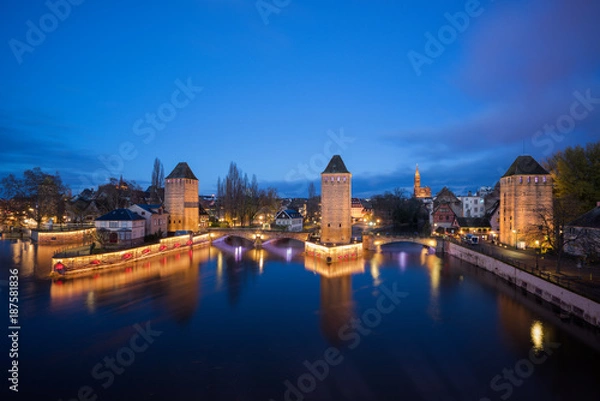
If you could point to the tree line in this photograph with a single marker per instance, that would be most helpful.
(240, 200)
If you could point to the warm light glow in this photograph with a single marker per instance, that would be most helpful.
(537, 335)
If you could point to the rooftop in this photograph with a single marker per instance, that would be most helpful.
(182, 170)
(590, 219)
(524, 165)
(336, 166)
(120, 215)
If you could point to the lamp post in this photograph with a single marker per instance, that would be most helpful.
(537, 248)
(515, 233)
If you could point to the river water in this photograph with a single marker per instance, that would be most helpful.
(229, 322)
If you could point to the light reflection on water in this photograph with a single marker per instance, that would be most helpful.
(238, 322)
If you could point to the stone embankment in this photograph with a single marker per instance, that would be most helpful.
(87, 263)
(568, 301)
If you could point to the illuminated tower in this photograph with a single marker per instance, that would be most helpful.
(181, 199)
(336, 195)
(417, 180)
(525, 202)
(420, 192)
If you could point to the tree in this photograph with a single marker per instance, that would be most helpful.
(576, 174)
(312, 204)
(240, 199)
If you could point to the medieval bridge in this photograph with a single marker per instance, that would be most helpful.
(371, 242)
(257, 236)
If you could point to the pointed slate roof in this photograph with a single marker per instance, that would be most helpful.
(120, 215)
(590, 219)
(524, 165)
(182, 170)
(336, 166)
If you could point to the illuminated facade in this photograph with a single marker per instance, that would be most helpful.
(420, 192)
(525, 202)
(181, 199)
(336, 195)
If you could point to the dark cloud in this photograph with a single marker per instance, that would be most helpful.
(39, 141)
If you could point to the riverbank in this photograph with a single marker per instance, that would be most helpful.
(569, 302)
(66, 266)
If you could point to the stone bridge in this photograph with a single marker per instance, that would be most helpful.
(257, 236)
(374, 242)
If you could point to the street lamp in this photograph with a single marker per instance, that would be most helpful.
(537, 247)
(515, 233)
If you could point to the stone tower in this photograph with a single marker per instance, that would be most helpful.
(336, 200)
(181, 199)
(525, 202)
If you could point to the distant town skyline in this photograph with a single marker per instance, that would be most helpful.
(460, 87)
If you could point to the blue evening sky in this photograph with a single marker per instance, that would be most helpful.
(278, 86)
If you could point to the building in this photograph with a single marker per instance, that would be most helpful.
(525, 202)
(476, 226)
(336, 194)
(446, 208)
(156, 218)
(493, 216)
(203, 218)
(289, 218)
(472, 205)
(419, 191)
(359, 209)
(181, 199)
(121, 228)
(582, 235)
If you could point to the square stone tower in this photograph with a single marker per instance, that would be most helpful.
(336, 203)
(181, 199)
(525, 202)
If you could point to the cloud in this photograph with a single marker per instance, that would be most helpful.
(40, 141)
(533, 49)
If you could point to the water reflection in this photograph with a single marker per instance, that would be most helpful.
(173, 281)
(537, 335)
(336, 303)
(32, 259)
(214, 349)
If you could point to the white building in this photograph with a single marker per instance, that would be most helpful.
(289, 218)
(156, 218)
(121, 228)
(473, 205)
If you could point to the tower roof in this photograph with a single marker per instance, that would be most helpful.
(417, 170)
(182, 170)
(525, 165)
(336, 165)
